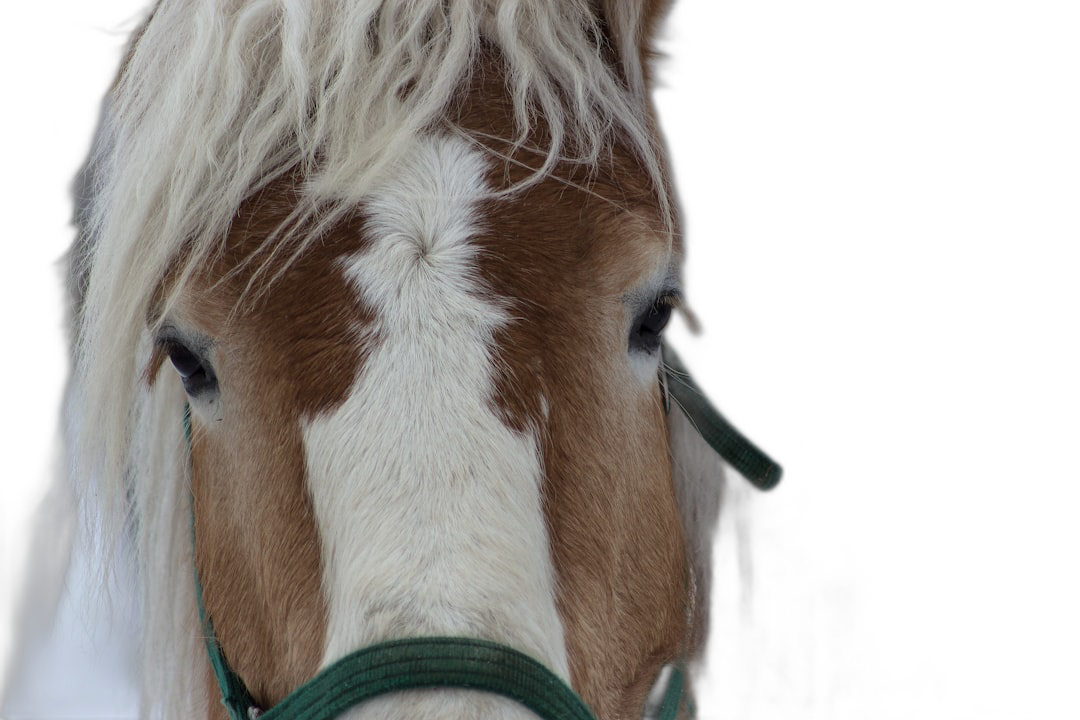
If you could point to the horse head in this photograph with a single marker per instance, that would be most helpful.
(401, 270)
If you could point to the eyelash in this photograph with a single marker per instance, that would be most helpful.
(676, 300)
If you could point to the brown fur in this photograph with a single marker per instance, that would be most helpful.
(284, 356)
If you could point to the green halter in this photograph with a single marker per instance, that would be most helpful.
(468, 663)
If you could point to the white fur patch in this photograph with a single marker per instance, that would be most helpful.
(428, 506)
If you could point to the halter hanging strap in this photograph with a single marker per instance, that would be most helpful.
(762, 471)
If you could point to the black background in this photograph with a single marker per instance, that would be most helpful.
(795, 135)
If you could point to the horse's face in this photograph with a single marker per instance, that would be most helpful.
(443, 418)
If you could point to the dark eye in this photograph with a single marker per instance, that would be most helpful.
(656, 320)
(185, 361)
(649, 325)
(194, 372)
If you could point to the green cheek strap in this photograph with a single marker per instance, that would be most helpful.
(753, 464)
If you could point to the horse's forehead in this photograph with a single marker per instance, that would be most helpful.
(568, 239)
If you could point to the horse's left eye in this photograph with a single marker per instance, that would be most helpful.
(649, 325)
(657, 319)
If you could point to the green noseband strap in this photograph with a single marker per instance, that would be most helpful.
(753, 464)
(432, 663)
(416, 664)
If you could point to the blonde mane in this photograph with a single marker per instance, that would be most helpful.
(216, 99)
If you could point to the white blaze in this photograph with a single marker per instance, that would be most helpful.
(428, 506)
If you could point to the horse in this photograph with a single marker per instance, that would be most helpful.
(369, 309)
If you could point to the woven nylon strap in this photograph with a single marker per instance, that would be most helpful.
(754, 465)
(432, 663)
(421, 663)
(425, 663)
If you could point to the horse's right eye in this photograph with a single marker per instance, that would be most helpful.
(193, 370)
(185, 361)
